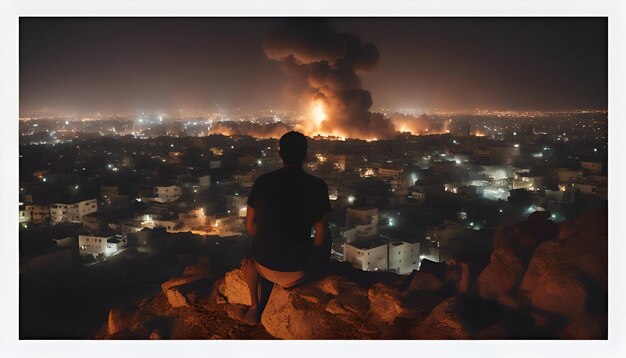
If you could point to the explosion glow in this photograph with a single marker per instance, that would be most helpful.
(318, 113)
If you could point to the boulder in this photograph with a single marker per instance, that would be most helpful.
(117, 322)
(289, 316)
(234, 288)
(502, 274)
(561, 294)
(448, 320)
(386, 304)
(155, 335)
(424, 281)
(439, 269)
(180, 281)
(176, 298)
(567, 279)
(567, 230)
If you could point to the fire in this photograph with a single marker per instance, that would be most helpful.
(318, 113)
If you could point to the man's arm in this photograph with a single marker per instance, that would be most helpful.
(250, 221)
(322, 232)
(322, 243)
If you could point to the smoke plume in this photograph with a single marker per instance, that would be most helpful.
(323, 68)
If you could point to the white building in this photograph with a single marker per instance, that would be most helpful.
(360, 232)
(375, 254)
(72, 212)
(167, 194)
(95, 244)
(367, 255)
(38, 213)
(404, 257)
(24, 215)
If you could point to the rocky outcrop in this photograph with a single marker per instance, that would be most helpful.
(567, 277)
(543, 280)
(502, 274)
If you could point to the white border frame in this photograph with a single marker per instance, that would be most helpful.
(11, 10)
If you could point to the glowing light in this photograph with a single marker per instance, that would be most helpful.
(318, 113)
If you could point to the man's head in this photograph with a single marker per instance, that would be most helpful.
(293, 148)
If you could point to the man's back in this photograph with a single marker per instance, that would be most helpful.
(287, 203)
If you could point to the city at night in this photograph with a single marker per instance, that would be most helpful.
(313, 178)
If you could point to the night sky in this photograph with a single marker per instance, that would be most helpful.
(128, 64)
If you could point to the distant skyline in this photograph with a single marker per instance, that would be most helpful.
(127, 64)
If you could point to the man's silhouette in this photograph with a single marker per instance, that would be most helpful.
(283, 207)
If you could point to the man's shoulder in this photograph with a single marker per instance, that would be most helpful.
(316, 180)
(273, 176)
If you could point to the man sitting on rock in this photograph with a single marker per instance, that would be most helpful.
(283, 207)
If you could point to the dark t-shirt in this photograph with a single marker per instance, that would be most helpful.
(287, 203)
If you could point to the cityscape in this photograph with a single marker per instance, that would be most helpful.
(115, 203)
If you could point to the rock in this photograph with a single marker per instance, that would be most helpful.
(446, 321)
(495, 331)
(424, 281)
(439, 269)
(350, 304)
(386, 303)
(235, 288)
(289, 316)
(544, 229)
(567, 230)
(176, 298)
(154, 335)
(501, 276)
(459, 275)
(139, 322)
(330, 284)
(560, 294)
(591, 327)
(567, 277)
(180, 281)
(201, 268)
(117, 322)
(506, 236)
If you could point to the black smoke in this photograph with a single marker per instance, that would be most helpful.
(323, 65)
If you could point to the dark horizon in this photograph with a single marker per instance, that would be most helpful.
(128, 64)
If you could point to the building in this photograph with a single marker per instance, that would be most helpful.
(404, 257)
(361, 216)
(38, 213)
(167, 194)
(94, 221)
(237, 203)
(102, 243)
(224, 221)
(24, 215)
(360, 232)
(381, 254)
(527, 181)
(568, 176)
(591, 168)
(72, 212)
(367, 255)
(193, 219)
